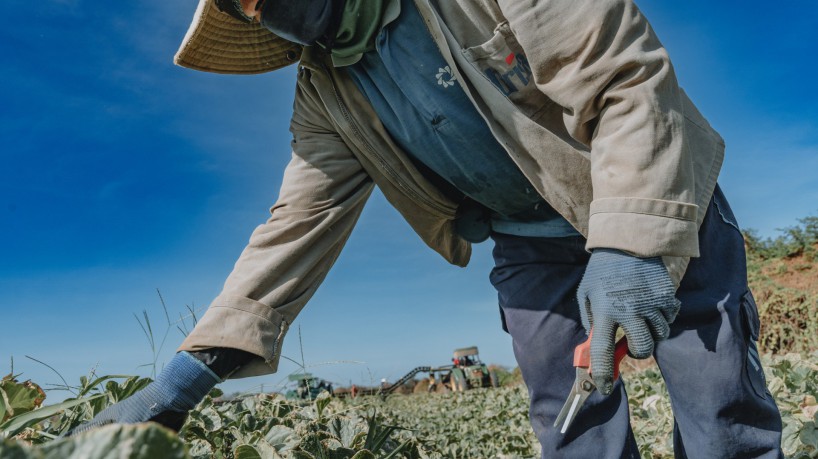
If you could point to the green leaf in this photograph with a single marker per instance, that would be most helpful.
(377, 435)
(282, 438)
(809, 435)
(20, 398)
(86, 387)
(789, 437)
(246, 452)
(346, 430)
(266, 451)
(142, 441)
(397, 450)
(4, 405)
(16, 424)
(207, 418)
(120, 391)
(200, 449)
(139, 441)
(363, 454)
(321, 403)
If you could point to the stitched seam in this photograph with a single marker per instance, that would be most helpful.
(248, 312)
(725, 219)
(654, 214)
(282, 330)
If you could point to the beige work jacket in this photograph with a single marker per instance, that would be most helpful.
(601, 129)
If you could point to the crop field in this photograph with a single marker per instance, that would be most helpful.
(480, 423)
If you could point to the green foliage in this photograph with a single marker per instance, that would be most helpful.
(479, 423)
(651, 414)
(18, 424)
(796, 240)
(147, 441)
(272, 427)
(793, 382)
(506, 377)
(789, 317)
(91, 398)
(17, 398)
(780, 272)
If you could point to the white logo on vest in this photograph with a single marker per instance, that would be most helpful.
(445, 77)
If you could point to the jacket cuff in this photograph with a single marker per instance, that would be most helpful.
(644, 227)
(244, 324)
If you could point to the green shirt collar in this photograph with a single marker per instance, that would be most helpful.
(346, 56)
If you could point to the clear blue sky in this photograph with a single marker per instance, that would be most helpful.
(121, 174)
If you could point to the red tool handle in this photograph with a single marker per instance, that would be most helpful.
(582, 354)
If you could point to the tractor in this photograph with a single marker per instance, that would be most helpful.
(466, 372)
(308, 387)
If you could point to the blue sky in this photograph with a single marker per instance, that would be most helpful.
(122, 174)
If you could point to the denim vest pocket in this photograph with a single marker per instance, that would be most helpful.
(752, 367)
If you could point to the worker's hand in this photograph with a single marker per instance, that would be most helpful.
(180, 386)
(634, 293)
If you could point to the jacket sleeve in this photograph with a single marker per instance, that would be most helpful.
(322, 195)
(601, 61)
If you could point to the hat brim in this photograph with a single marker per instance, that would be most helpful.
(216, 42)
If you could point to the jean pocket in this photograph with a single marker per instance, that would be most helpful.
(753, 370)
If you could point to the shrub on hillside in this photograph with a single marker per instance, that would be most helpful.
(799, 240)
(782, 274)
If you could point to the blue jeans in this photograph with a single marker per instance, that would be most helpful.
(710, 363)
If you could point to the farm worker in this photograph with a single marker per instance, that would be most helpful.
(432, 387)
(555, 128)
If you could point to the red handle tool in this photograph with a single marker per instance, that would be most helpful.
(582, 354)
(584, 384)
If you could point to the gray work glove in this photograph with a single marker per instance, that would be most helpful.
(180, 386)
(634, 293)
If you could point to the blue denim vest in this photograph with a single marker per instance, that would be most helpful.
(429, 116)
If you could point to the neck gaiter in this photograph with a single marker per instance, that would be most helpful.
(308, 22)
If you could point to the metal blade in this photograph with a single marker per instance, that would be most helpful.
(582, 388)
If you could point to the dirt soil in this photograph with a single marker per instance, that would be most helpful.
(795, 272)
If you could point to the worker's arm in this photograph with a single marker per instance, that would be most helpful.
(322, 195)
(601, 61)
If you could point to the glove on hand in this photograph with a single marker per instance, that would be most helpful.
(179, 387)
(634, 293)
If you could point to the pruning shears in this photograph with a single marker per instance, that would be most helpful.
(583, 384)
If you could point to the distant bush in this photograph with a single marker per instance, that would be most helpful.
(789, 314)
(506, 377)
(788, 319)
(800, 240)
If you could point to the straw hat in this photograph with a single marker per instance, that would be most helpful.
(216, 42)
